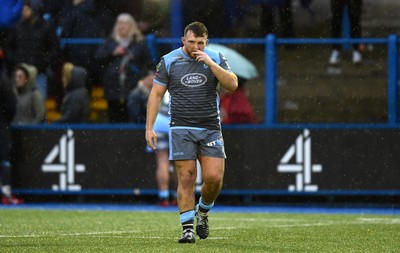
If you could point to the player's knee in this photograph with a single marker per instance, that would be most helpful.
(187, 179)
(214, 179)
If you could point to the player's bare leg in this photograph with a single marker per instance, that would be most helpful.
(186, 171)
(213, 173)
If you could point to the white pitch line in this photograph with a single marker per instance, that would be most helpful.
(72, 234)
(380, 220)
(301, 225)
(358, 221)
(258, 220)
(102, 233)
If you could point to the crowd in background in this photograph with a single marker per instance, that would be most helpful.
(36, 66)
(31, 32)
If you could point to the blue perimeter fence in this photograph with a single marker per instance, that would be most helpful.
(271, 106)
(271, 73)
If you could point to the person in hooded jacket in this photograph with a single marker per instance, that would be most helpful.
(33, 41)
(123, 58)
(75, 104)
(31, 108)
(8, 103)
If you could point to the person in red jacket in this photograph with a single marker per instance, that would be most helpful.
(236, 107)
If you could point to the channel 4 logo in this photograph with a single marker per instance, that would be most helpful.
(61, 160)
(297, 160)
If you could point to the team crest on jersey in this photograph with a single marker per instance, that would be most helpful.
(158, 67)
(194, 79)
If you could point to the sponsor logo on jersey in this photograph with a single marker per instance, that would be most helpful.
(194, 79)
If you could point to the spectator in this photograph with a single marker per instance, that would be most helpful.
(165, 173)
(76, 101)
(34, 42)
(82, 22)
(123, 58)
(54, 11)
(109, 10)
(354, 9)
(211, 13)
(236, 107)
(137, 100)
(10, 13)
(7, 112)
(269, 8)
(137, 103)
(31, 108)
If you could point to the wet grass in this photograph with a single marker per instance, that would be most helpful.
(123, 231)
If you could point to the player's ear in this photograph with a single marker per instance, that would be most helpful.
(183, 40)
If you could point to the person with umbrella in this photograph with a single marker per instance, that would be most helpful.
(235, 106)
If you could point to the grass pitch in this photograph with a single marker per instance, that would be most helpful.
(128, 231)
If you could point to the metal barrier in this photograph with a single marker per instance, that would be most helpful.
(347, 161)
(271, 99)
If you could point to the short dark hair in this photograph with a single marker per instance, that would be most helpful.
(198, 28)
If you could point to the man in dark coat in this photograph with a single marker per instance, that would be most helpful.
(82, 21)
(8, 103)
(33, 41)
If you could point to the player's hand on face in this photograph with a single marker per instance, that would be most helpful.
(202, 57)
(151, 139)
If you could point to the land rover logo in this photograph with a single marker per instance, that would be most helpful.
(193, 79)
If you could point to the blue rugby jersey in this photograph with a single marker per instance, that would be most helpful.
(194, 101)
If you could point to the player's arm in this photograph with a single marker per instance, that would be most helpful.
(227, 79)
(153, 106)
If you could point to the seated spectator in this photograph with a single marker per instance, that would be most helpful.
(137, 100)
(123, 58)
(236, 107)
(31, 107)
(76, 102)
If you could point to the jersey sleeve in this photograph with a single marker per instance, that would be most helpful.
(224, 63)
(161, 75)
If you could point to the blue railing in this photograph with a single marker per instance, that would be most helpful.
(271, 70)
